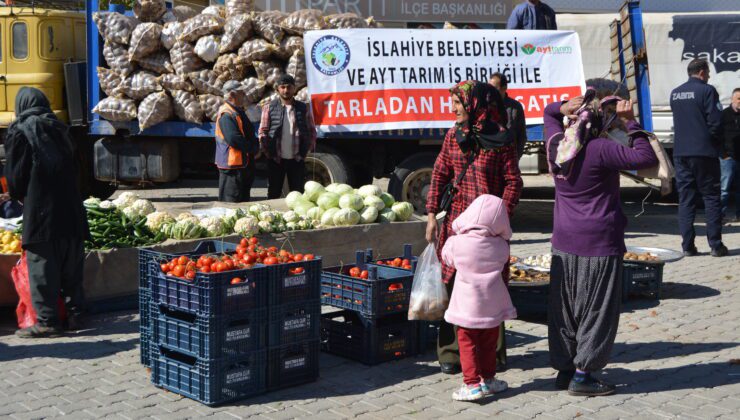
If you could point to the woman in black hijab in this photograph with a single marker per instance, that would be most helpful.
(42, 174)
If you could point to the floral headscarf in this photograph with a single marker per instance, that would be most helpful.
(487, 116)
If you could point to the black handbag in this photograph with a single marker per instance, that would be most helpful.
(450, 190)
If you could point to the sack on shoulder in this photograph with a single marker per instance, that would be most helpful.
(664, 170)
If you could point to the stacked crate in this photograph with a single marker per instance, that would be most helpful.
(373, 326)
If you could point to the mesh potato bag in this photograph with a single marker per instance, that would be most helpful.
(210, 105)
(183, 13)
(184, 58)
(302, 95)
(372, 23)
(206, 81)
(167, 17)
(200, 25)
(288, 46)
(149, 10)
(304, 20)
(269, 71)
(231, 67)
(267, 25)
(237, 7)
(207, 48)
(114, 26)
(345, 21)
(116, 56)
(297, 68)
(110, 81)
(145, 40)
(159, 63)
(254, 88)
(187, 107)
(219, 11)
(175, 82)
(139, 85)
(154, 109)
(116, 109)
(169, 34)
(237, 29)
(255, 49)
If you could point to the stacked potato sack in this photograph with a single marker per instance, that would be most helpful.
(165, 65)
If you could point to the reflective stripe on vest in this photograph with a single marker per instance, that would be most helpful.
(228, 157)
(4, 183)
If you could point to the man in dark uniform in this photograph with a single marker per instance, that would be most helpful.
(515, 122)
(696, 150)
(41, 173)
(287, 134)
(236, 145)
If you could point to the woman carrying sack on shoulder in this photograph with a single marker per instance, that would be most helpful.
(477, 157)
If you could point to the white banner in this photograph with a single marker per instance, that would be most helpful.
(385, 79)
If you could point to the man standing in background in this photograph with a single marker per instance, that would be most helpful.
(532, 14)
(730, 122)
(514, 111)
(696, 149)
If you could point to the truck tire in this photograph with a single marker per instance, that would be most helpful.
(327, 166)
(411, 179)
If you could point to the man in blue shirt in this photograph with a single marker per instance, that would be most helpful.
(696, 149)
(532, 14)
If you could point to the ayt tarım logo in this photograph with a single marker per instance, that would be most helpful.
(528, 49)
(330, 55)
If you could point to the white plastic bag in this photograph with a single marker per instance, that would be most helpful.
(429, 299)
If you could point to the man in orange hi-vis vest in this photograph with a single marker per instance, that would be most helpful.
(236, 146)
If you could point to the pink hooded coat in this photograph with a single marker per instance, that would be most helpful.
(479, 251)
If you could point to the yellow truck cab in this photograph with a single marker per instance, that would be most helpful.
(34, 45)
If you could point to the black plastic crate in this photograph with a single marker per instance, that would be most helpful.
(349, 335)
(407, 255)
(209, 337)
(294, 322)
(530, 299)
(385, 292)
(210, 382)
(145, 326)
(428, 333)
(286, 287)
(642, 278)
(292, 364)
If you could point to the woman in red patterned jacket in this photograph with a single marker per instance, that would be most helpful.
(478, 130)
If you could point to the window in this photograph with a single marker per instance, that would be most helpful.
(20, 40)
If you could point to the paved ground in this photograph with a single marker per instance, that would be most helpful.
(676, 358)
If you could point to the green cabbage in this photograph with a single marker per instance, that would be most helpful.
(328, 200)
(351, 201)
(386, 216)
(403, 210)
(387, 199)
(327, 219)
(346, 217)
(313, 190)
(292, 198)
(314, 213)
(369, 215)
(368, 190)
(341, 189)
(373, 201)
(303, 207)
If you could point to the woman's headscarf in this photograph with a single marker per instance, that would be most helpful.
(49, 137)
(487, 116)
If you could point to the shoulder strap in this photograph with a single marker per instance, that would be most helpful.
(470, 160)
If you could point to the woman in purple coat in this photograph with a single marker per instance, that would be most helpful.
(588, 234)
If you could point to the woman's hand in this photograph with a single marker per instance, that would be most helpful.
(625, 110)
(569, 108)
(431, 234)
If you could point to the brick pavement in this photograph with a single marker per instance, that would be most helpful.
(672, 358)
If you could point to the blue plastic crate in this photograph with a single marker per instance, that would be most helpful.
(149, 259)
(286, 287)
(145, 327)
(210, 382)
(292, 364)
(209, 337)
(294, 322)
(642, 278)
(428, 333)
(386, 292)
(407, 255)
(348, 335)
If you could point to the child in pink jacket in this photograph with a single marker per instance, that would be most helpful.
(479, 251)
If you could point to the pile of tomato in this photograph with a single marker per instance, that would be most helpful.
(397, 262)
(248, 253)
(358, 274)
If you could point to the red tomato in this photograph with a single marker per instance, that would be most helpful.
(263, 254)
(405, 262)
(213, 266)
(251, 248)
(364, 274)
(241, 251)
(236, 280)
(183, 260)
(308, 257)
(381, 263)
(190, 275)
(169, 273)
(298, 257)
(253, 240)
(406, 267)
(164, 267)
(229, 265)
(179, 271)
(205, 269)
(283, 253)
(244, 242)
(220, 267)
(271, 261)
(354, 272)
(298, 270)
(397, 262)
(395, 286)
(250, 259)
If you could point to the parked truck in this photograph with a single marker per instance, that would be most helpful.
(44, 48)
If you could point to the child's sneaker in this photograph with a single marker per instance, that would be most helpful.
(468, 393)
(492, 386)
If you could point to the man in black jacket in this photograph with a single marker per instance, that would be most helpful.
(287, 134)
(730, 123)
(41, 173)
(515, 120)
(236, 146)
(696, 149)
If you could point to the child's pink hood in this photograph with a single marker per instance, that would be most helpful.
(485, 216)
